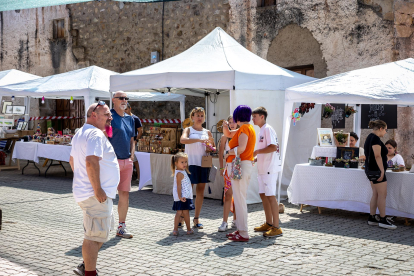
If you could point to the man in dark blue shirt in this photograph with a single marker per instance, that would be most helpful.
(123, 142)
(138, 129)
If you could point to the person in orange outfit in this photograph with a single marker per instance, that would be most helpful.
(242, 146)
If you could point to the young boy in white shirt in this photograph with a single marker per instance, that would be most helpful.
(268, 166)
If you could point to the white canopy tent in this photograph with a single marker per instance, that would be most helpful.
(16, 76)
(89, 83)
(390, 83)
(219, 62)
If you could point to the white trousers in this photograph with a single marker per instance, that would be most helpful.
(240, 196)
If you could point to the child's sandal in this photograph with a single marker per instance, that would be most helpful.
(174, 233)
(190, 232)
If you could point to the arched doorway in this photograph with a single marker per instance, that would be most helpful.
(295, 48)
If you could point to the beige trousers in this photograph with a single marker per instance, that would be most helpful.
(240, 196)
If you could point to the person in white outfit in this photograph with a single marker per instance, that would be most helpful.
(182, 192)
(268, 166)
(95, 181)
(393, 158)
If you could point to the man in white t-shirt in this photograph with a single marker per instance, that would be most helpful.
(95, 180)
(268, 166)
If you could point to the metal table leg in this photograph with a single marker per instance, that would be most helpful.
(51, 164)
(28, 162)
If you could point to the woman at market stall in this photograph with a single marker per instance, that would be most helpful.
(353, 139)
(195, 139)
(228, 204)
(242, 145)
(393, 158)
(375, 167)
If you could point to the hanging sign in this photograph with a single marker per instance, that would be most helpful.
(338, 116)
(384, 112)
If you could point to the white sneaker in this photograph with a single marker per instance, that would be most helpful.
(223, 227)
(123, 232)
(233, 224)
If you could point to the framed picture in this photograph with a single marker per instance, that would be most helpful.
(19, 109)
(7, 122)
(20, 125)
(325, 137)
(25, 125)
(347, 153)
(9, 109)
(5, 104)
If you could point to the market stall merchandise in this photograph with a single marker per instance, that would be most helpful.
(390, 83)
(349, 189)
(212, 64)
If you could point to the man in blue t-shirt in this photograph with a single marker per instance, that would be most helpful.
(139, 130)
(123, 142)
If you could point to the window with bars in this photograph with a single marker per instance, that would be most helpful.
(265, 3)
(307, 70)
(58, 28)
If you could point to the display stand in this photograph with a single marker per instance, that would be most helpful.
(11, 142)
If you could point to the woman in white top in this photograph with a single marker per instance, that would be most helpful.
(353, 139)
(392, 155)
(195, 138)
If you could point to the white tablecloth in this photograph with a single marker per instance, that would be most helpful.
(55, 152)
(349, 189)
(26, 151)
(162, 181)
(323, 152)
(144, 162)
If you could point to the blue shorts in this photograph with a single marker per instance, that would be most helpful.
(198, 174)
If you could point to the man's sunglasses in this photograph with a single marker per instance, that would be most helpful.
(122, 98)
(99, 103)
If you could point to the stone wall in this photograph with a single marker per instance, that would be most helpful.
(27, 44)
(165, 110)
(121, 36)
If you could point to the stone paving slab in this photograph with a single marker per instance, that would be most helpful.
(42, 235)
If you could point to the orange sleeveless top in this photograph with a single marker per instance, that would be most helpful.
(251, 142)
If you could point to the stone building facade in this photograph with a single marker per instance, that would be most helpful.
(325, 37)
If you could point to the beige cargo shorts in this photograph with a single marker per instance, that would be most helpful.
(98, 219)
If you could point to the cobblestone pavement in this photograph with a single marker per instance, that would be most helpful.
(42, 233)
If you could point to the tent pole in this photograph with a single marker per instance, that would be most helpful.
(357, 122)
(110, 100)
(206, 98)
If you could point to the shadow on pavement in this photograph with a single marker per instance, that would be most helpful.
(77, 252)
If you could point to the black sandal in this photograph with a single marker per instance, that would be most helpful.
(197, 225)
(180, 225)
